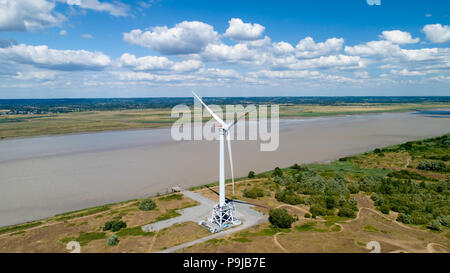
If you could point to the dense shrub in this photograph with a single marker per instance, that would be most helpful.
(280, 218)
(312, 183)
(420, 218)
(385, 209)
(444, 220)
(277, 172)
(251, 174)
(435, 225)
(404, 174)
(404, 218)
(346, 212)
(147, 204)
(331, 202)
(427, 165)
(318, 210)
(353, 187)
(253, 193)
(113, 240)
(114, 225)
(289, 197)
(370, 183)
(284, 180)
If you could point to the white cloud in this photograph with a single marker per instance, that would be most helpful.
(87, 36)
(307, 48)
(36, 75)
(229, 54)
(145, 63)
(220, 73)
(403, 62)
(187, 66)
(406, 72)
(240, 31)
(399, 37)
(342, 61)
(63, 32)
(156, 63)
(287, 74)
(43, 57)
(264, 42)
(374, 48)
(185, 38)
(116, 8)
(282, 48)
(437, 33)
(24, 15)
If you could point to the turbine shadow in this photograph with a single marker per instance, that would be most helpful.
(236, 201)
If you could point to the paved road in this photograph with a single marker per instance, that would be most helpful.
(194, 214)
(244, 212)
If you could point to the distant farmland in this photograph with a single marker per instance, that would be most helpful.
(35, 117)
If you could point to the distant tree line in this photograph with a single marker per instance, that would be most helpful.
(43, 106)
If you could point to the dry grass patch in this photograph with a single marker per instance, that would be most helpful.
(179, 234)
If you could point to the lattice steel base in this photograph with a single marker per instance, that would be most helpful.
(221, 218)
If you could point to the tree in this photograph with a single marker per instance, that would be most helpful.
(113, 240)
(280, 218)
(277, 172)
(147, 204)
(346, 212)
(331, 202)
(289, 197)
(114, 225)
(385, 209)
(432, 165)
(404, 218)
(251, 174)
(435, 225)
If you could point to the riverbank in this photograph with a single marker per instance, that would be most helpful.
(22, 126)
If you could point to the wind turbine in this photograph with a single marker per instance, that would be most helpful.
(223, 212)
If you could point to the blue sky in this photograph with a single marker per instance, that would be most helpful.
(100, 48)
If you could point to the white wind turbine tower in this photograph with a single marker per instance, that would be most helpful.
(223, 212)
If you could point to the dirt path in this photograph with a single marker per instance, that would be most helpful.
(407, 162)
(278, 243)
(153, 241)
(429, 247)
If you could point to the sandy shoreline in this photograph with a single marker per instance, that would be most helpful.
(43, 176)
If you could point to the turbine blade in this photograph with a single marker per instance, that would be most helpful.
(243, 116)
(231, 159)
(216, 117)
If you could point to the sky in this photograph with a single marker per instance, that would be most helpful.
(100, 48)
